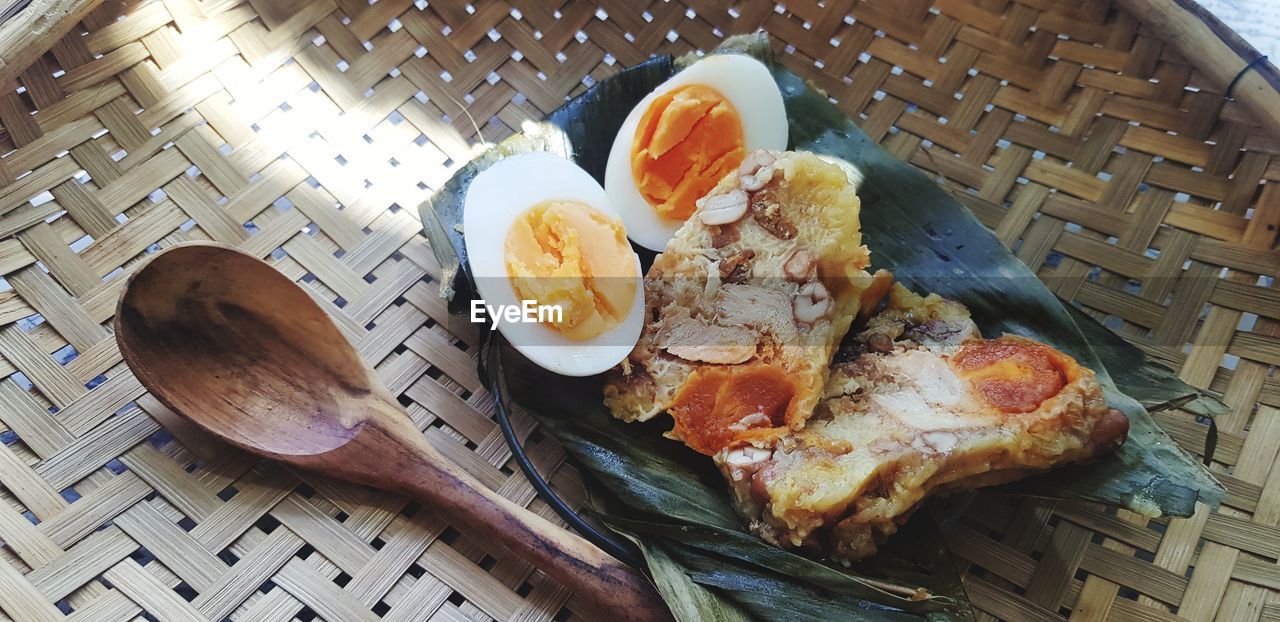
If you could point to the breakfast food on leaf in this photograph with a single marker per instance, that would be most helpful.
(540, 229)
(928, 406)
(747, 304)
(685, 136)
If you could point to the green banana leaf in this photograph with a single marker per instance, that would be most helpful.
(672, 503)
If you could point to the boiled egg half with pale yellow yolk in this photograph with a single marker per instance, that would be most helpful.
(685, 136)
(541, 235)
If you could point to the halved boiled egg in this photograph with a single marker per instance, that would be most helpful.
(542, 239)
(685, 136)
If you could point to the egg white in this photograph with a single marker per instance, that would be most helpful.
(746, 84)
(496, 197)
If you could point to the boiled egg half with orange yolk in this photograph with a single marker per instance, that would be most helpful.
(542, 236)
(685, 136)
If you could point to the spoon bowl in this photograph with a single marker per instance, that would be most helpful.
(211, 323)
(230, 343)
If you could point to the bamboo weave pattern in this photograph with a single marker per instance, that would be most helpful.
(307, 132)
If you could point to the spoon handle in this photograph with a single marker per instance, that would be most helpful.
(610, 586)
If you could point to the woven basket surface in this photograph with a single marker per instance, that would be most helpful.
(307, 132)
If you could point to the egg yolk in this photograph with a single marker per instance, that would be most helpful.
(688, 139)
(1014, 376)
(571, 255)
(715, 398)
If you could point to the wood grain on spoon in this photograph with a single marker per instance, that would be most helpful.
(225, 340)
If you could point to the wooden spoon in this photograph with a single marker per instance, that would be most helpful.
(225, 340)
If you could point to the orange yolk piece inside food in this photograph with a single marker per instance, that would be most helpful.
(688, 139)
(1014, 376)
(573, 256)
(715, 398)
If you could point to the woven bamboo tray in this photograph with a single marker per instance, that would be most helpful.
(307, 132)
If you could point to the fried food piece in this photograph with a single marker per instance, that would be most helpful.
(928, 407)
(747, 304)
